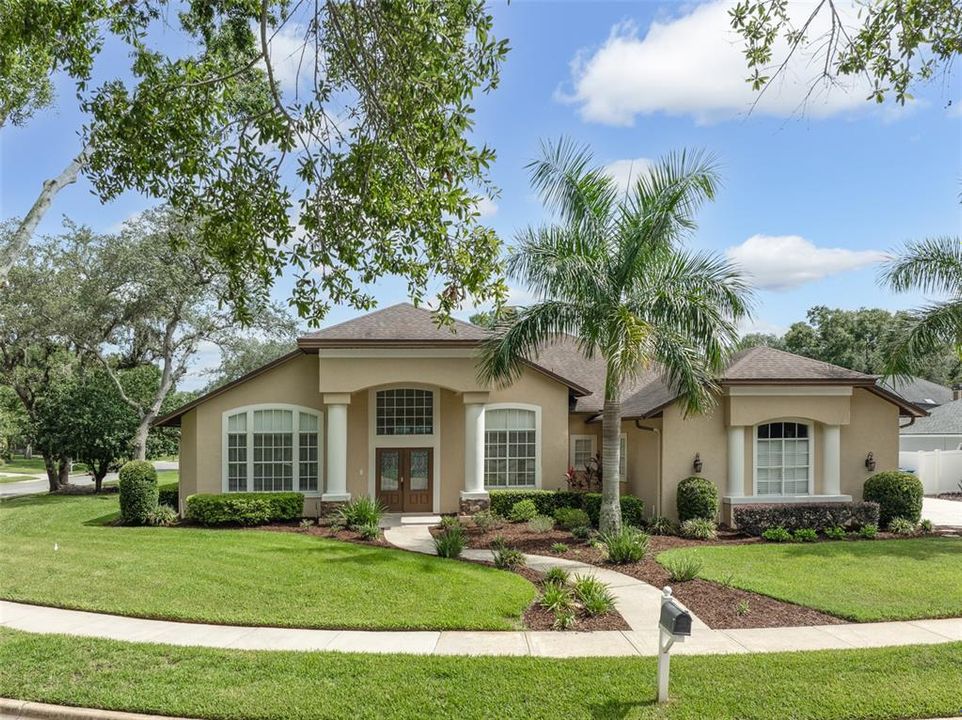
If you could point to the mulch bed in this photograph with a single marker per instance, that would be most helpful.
(719, 606)
(324, 531)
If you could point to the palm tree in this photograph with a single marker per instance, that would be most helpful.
(609, 272)
(930, 266)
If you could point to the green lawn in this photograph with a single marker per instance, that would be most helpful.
(907, 682)
(864, 581)
(33, 466)
(244, 577)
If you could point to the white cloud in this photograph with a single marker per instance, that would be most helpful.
(693, 64)
(487, 207)
(779, 262)
(626, 172)
(288, 54)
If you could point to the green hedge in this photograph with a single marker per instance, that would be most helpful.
(547, 501)
(245, 508)
(138, 492)
(697, 499)
(899, 495)
(168, 494)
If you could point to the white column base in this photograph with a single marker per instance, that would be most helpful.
(335, 497)
(475, 495)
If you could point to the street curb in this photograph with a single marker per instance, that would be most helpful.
(26, 710)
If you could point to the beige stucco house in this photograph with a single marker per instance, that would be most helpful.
(390, 405)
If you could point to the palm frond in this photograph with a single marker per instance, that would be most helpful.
(503, 354)
(927, 330)
(933, 265)
(685, 370)
(570, 185)
(557, 262)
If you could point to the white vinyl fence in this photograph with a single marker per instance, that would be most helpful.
(939, 470)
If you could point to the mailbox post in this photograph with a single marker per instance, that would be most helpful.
(675, 624)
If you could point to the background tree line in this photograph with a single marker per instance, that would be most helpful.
(863, 340)
(97, 330)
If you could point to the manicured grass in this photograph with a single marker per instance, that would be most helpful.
(865, 581)
(33, 466)
(14, 478)
(907, 682)
(242, 577)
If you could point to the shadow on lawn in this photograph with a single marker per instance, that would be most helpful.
(613, 710)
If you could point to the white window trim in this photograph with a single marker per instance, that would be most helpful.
(537, 443)
(623, 457)
(298, 410)
(811, 457)
(375, 441)
(571, 452)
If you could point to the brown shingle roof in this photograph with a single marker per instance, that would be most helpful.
(765, 363)
(404, 325)
(399, 325)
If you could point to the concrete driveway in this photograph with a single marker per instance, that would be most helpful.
(947, 513)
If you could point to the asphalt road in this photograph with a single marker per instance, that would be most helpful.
(40, 484)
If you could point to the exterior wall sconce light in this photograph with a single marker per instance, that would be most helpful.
(870, 462)
(698, 464)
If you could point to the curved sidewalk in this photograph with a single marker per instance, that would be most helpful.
(638, 602)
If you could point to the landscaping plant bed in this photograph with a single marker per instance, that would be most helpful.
(717, 605)
(324, 531)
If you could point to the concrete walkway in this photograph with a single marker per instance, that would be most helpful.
(637, 601)
(945, 513)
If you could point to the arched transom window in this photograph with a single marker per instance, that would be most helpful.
(272, 449)
(783, 458)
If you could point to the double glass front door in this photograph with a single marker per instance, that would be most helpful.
(405, 478)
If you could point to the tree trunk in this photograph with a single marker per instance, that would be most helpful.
(53, 476)
(23, 234)
(140, 437)
(610, 519)
(63, 472)
(100, 472)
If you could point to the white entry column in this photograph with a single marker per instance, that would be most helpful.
(831, 460)
(474, 447)
(736, 461)
(336, 420)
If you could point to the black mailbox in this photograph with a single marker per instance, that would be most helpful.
(674, 619)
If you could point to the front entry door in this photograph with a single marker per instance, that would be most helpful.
(405, 478)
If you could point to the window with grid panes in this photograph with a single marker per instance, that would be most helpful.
(404, 411)
(510, 448)
(273, 450)
(783, 458)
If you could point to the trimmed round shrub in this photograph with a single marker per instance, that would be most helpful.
(522, 511)
(697, 498)
(138, 492)
(899, 495)
(569, 518)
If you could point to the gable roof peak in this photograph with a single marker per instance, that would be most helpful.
(402, 324)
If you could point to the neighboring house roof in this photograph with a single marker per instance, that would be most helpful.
(921, 392)
(404, 325)
(942, 420)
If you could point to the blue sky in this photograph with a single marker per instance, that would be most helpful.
(811, 195)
